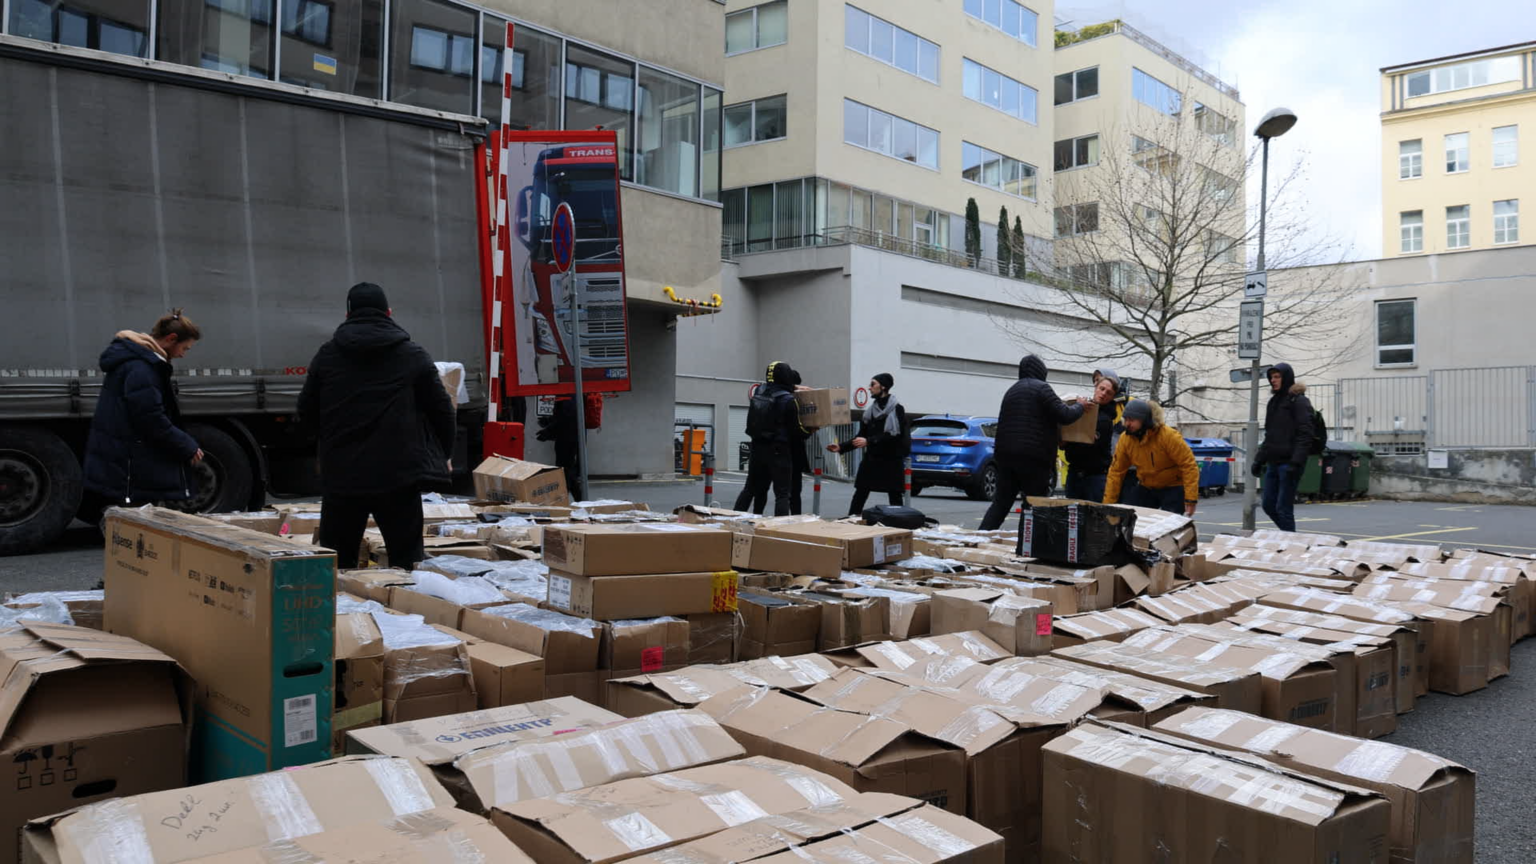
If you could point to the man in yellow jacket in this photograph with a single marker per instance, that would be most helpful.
(1168, 475)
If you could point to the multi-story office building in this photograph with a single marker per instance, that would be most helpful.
(641, 70)
(1456, 151)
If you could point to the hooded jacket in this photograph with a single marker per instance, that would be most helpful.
(137, 450)
(1161, 457)
(1288, 431)
(776, 397)
(1030, 419)
(378, 407)
(1093, 459)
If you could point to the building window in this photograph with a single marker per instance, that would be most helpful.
(1477, 73)
(233, 36)
(1077, 152)
(758, 120)
(1412, 222)
(876, 130)
(884, 41)
(1003, 173)
(1218, 187)
(1010, 17)
(432, 55)
(1215, 124)
(1506, 146)
(997, 90)
(1155, 94)
(1395, 332)
(667, 134)
(600, 91)
(1220, 248)
(1456, 153)
(1458, 227)
(1153, 157)
(1410, 159)
(119, 27)
(1073, 220)
(1506, 221)
(759, 27)
(1073, 86)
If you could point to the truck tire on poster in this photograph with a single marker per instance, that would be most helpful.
(40, 488)
(224, 478)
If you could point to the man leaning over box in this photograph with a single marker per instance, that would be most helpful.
(1167, 473)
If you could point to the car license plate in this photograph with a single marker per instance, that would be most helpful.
(927, 458)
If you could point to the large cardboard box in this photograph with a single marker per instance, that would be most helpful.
(686, 688)
(1432, 799)
(568, 644)
(359, 697)
(820, 408)
(772, 625)
(1238, 689)
(502, 479)
(373, 583)
(1111, 624)
(715, 637)
(1124, 794)
(901, 656)
(1462, 646)
(180, 825)
(504, 676)
(1129, 698)
(434, 610)
(780, 555)
(1366, 611)
(79, 711)
(1021, 625)
(641, 646)
(1183, 607)
(1058, 531)
(1320, 628)
(632, 817)
(501, 775)
(1522, 589)
(1481, 598)
(870, 754)
(862, 545)
(636, 549)
(846, 620)
(248, 615)
(607, 598)
(419, 838)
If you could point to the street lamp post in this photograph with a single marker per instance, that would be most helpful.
(1275, 123)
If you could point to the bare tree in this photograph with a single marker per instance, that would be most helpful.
(1152, 247)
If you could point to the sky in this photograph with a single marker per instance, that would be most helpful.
(1322, 60)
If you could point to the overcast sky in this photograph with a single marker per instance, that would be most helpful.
(1322, 60)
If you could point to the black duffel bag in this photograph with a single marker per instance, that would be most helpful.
(896, 516)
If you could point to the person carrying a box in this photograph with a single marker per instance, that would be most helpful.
(385, 428)
(886, 440)
(1088, 464)
(1168, 475)
(773, 425)
(1028, 434)
(1289, 438)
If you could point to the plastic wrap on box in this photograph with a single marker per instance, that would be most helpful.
(545, 619)
(456, 566)
(464, 591)
(49, 610)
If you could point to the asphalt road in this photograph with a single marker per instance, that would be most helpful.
(1490, 731)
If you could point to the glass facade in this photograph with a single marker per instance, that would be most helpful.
(814, 211)
(443, 55)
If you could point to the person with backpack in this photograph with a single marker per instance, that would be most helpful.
(773, 425)
(1168, 475)
(886, 440)
(1028, 435)
(1293, 431)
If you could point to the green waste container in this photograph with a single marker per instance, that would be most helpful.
(1360, 456)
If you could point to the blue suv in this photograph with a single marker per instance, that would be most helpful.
(954, 452)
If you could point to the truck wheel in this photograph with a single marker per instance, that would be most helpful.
(224, 477)
(40, 488)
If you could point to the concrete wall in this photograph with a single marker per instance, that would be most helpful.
(1471, 477)
(669, 241)
(685, 35)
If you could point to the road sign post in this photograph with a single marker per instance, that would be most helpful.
(563, 248)
(1256, 286)
(1250, 330)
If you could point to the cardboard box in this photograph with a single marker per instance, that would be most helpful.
(86, 608)
(248, 615)
(1182, 607)
(1058, 531)
(1480, 598)
(437, 742)
(420, 838)
(434, 610)
(606, 598)
(779, 555)
(774, 625)
(359, 696)
(1127, 794)
(426, 669)
(1101, 594)
(1432, 799)
(1238, 689)
(846, 621)
(643, 814)
(1084, 430)
(373, 583)
(1461, 646)
(1367, 611)
(636, 549)
(1111, 624)
(264, 521)
(1171, 534)
(870, 754)
(502, 479)
(820, 408)
(643, 645)
(1141, 701)
(79, 709)
(180, 825)
(862, 545)
(568, 644)
(900, 656)
(910, 614)
(1067, 596)
(686, 688)
(1522, 589)
(505, 676)
(911, 837)
(1318, 627)
(1021, 625)
(504, 774)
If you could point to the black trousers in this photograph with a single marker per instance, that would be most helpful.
(796, 483)
(343, 518)
(1030, 478)
(861, 495)
(771, 465)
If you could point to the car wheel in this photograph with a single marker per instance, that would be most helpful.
(984, 488)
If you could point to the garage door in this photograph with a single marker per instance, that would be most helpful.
(735, 436)
(701, 415)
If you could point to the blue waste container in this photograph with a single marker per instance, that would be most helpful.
(1215, 470)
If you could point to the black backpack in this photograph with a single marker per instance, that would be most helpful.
(1319, 432)
(763, 418)
(896, 516)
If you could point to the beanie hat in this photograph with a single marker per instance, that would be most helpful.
(885, 380)
(1139, 409)
(366, 295)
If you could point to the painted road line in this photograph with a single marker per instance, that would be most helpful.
(1420, 533)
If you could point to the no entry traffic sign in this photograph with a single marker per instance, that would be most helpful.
(562, 237)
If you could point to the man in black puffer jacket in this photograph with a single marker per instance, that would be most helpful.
(385, 427)
(1288, 436)
(773, 423)
(1028, 434)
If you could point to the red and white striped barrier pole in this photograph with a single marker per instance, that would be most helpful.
(816, 484)
(906, 480)
(500, 288)
(709, 478)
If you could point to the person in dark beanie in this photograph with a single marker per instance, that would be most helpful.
(1168, 475)
(1088, 464)
(773, 425)
(385, 428)
(886, 440)
(1028, 435)
(1288, 437)
(137, 452)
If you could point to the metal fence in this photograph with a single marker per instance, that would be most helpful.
(1492, 406)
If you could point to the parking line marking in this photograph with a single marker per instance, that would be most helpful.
(1420, 533)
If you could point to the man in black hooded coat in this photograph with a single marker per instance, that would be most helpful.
(385, 427)
(773, 424)
(1028, 435)
(1288, 437)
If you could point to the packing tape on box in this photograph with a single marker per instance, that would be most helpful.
(111, 832)
(803, 781)
(401, 785)
(1271, 738)
(1058, 699)
(1372, 760)
(287, 852)
(283, 808)
(1212, 724)
(897, 657)
(943, 843)
(942, 670)
(969, 726)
